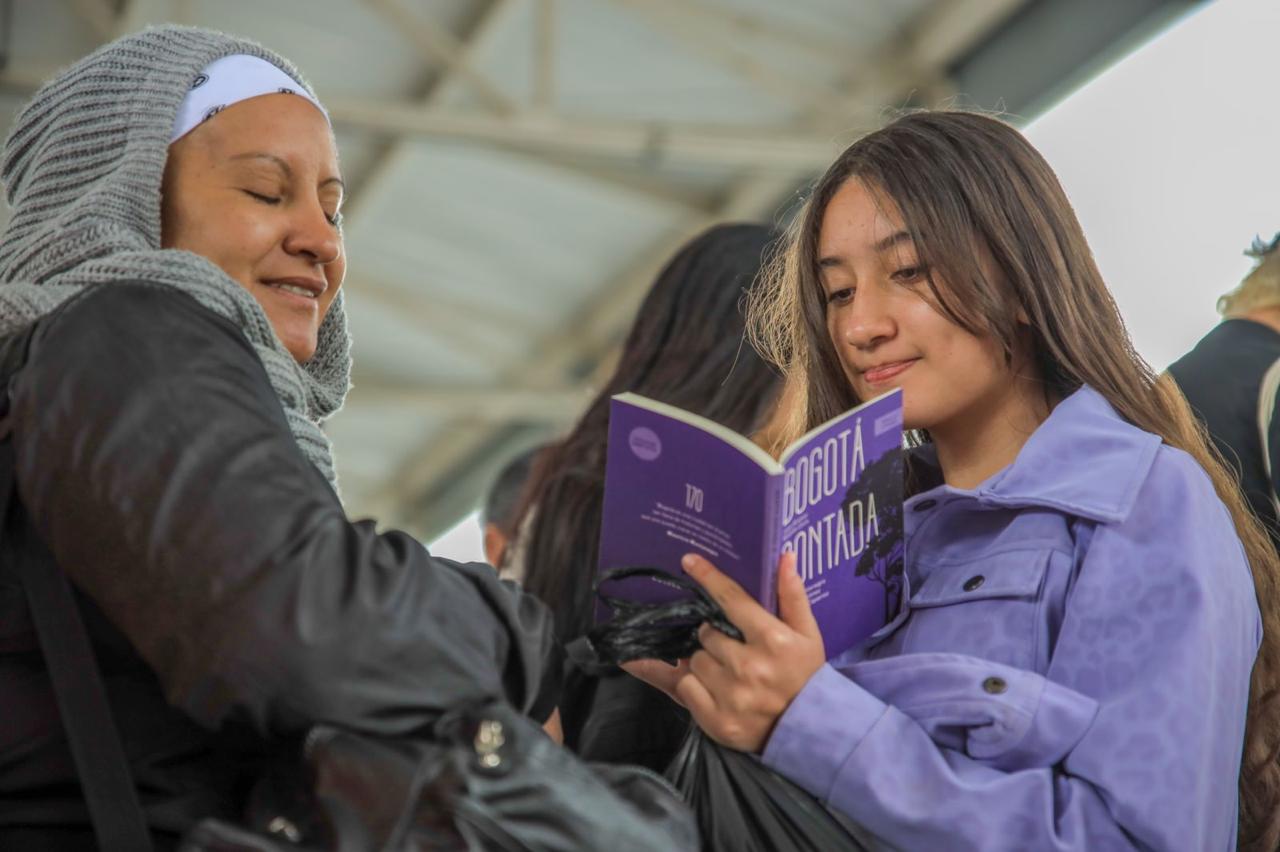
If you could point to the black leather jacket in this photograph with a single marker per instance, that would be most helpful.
(230, 600)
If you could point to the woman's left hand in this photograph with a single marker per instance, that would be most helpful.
(737, 690)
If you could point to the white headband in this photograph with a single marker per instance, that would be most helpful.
(230, 80)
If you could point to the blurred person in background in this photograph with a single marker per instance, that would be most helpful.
(176, 239)
(498, 514)
(686, 348)
(1223, 379)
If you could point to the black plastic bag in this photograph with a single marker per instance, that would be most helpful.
(743, 806)
(661, 631)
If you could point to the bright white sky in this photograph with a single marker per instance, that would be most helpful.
(1172, 160)
(463, 542)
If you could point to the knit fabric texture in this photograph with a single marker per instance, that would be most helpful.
(82, 170)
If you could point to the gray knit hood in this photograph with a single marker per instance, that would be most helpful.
(82, 170)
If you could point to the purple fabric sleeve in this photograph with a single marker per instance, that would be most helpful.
(821, 728)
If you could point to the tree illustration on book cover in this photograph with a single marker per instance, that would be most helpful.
(882, 560)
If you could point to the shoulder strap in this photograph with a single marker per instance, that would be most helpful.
(118, 821)
(1266, 411)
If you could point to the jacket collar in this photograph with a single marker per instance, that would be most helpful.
(1085, 459)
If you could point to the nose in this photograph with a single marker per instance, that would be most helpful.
(867, 321)
(312, 235)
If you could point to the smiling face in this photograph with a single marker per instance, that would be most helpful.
(885, 327)
(256, 190)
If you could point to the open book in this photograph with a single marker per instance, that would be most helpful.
(677, 483)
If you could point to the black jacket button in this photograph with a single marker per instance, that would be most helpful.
(974, 582)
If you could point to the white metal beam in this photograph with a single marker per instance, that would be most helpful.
(748, 25)
(437, 43)
(954, 27)
(763, 148)
(634, 180)
(948, 29)
(433, 315)
(711, 41)
(491, 20)
(557, 406)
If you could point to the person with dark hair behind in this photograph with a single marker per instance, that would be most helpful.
(1225, 374)
(498, 513)
(686, 348)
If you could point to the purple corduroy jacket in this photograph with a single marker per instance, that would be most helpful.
(1071, 669)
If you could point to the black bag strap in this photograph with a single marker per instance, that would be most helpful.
(118, 821)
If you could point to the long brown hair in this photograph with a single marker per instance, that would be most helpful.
(968, 184)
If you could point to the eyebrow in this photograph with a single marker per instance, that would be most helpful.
(881, 246)
(892, 240)
(284, 167)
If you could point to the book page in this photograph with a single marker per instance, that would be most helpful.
(672, 489)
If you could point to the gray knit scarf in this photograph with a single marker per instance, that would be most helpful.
(82, 169)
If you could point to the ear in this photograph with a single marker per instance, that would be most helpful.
(494, 544)
(1021, 316)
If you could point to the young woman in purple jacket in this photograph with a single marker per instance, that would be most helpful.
(1088, 595)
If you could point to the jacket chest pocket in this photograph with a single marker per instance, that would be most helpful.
(991, 607)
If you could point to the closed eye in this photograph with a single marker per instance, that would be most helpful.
(335, 220)
(265, 199)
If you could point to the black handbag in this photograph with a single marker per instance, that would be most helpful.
(486, 778)
(482, 777)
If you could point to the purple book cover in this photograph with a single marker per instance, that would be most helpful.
(677, 483)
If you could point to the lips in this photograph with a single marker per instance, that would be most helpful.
(882, 373)
(307, 288)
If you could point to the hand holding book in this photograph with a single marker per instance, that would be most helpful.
(737, 690)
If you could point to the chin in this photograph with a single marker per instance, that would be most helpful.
(912, 419)
(302, 351)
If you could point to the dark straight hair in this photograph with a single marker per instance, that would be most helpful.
(970, 186)
(687, 347)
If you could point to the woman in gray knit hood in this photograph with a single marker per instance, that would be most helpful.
(82, 171)
(167, 446)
